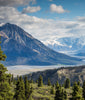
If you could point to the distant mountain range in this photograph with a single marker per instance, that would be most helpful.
(23, 49)
(69, 45)
(75, 74)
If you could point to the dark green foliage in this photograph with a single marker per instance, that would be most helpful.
(20, 90)
(40, 81)
(36, 81)
(12, 78)
(76, 92)
(49, 83)
(5, 91)
(83, 90)
(31, 90)
(78, 83)
(67, 83)
(58, 95)
(2, 73)
(64, 95)
(52, 90)
(10, 81)
(23, 90)
(27, 88)
(2, 56)
(57, 84)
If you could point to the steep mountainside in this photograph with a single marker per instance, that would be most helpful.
(23, 49)
(73, 73)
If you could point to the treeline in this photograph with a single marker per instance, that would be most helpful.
(78, 92)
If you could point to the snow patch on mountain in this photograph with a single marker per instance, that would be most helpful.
(68, 45)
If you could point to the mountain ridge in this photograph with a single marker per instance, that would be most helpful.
(75, 74)
(22, 48)
(68, 45)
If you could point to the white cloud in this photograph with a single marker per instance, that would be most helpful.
(57, 9)
(31, 9)
(15, 2)
(81, 19)
(42, 29)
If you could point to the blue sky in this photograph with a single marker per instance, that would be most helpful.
(46, 20)
(75, 8)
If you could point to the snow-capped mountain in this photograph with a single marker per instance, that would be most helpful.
(68, 45)
(23, 49)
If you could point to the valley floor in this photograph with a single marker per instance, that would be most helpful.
(24, 69)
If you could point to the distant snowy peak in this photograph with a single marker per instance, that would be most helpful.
(53, 42)
(67, 44)
(1, 24)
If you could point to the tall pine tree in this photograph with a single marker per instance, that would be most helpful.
(52, 91)
(76, 95)
(40, 81)
(27, 88)
(20, 90)
(5, 90)
(67, 83)
(58, 95)
(49, 83)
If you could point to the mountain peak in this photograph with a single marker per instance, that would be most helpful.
(22, 49)
(8, 24)
(14, 32)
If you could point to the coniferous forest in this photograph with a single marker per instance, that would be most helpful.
(21, 88)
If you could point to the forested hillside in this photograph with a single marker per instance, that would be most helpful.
(76, 73)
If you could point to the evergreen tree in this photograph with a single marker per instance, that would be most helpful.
(76, 92)
(83, 90)
(57, 84)
(78, 83)
(12, 78)
(31, 90)
(20, 90)
(2, 56)
(27, 88)
(17, 77)
(67, 83)
(40, 81)
(49, 83)
(52, 90)
(5, 91)
(58, 95)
